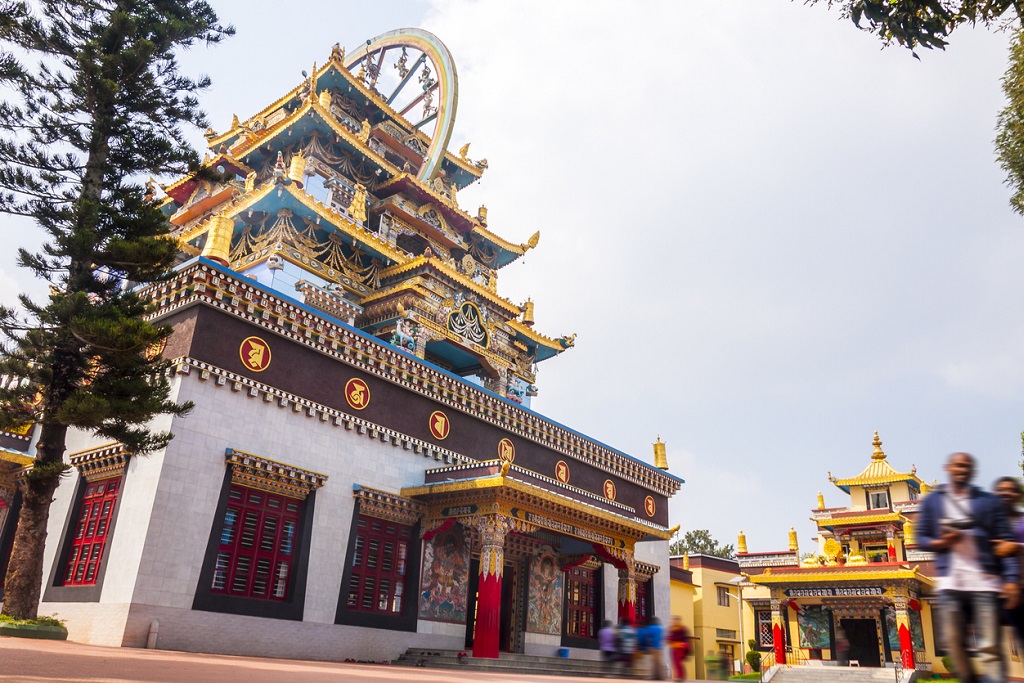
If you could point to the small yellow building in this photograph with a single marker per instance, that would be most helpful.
(863, 584)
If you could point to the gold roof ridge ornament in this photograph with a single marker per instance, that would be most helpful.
(879, 454)
(741, 543)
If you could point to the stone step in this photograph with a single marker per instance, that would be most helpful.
(836, 674)
(505, 663)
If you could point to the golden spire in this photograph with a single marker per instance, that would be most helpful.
(686, 561)
(878, 454)
(908, 534)
(235, 122)
(821, 501)
(741, 543)
(660, 459)
(793, 545)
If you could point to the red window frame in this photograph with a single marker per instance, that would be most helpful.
(380, 565)
(258, 545)
(92, 529)
(581, 603)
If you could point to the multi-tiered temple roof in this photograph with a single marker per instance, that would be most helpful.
(343, 193)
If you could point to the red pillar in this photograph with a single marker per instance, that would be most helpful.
(627, 593)
(778, 633)
(906, 642)
(488, 600)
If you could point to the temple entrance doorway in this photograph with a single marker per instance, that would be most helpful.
(863, 637)
(509, 636)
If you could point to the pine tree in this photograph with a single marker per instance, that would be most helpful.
(103, 107)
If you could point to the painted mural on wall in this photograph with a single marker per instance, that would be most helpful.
(916, 630)
(544, 607)
(812, 622)
(445, 583)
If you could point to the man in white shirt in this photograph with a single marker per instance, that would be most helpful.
(959, 523)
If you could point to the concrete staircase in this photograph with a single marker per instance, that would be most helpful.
(506, 663)
(841, 674)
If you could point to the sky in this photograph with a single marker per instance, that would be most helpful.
(771, 236)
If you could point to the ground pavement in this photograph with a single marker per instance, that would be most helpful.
(59, 662)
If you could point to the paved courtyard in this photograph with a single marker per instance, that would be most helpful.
(41, 660)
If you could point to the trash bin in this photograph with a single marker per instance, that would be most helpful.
(563, 652)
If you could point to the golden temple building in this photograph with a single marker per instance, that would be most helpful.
(863, 580)
(363, 475)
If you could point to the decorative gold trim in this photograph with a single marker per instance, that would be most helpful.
(16, 458)
(388, 506)
(203, 284)
(838, 574)
(861, 519)
(255, 471)
(101, 462)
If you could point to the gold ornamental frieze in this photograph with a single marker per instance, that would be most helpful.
(102, 462)
(255, 471)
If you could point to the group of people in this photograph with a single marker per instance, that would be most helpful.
(640, 650)
(978, 539)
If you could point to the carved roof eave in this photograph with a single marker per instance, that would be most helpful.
(516, 250)
(853, 520)
(455, 276)
(439, 200)
(335, 219)
(219, 158)
(557, 344)
(894, 478)
(228, 136)
(325, 117)
(385, 505)
(16, 457)
(385, 293)
(839, 574)
(498, 483)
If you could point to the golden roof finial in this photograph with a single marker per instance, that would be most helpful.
(686, 561)
(741, 543)
(235, 123)
(878, 454)
(660, 458)
(821, 501)
(793, 545)
(464, 151)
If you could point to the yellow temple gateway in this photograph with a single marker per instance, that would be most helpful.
(363, 476)
(864, 582)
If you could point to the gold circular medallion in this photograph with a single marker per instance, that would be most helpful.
(255, 354)
(649, 506)
(357, 393)
(609, 489)
(506, 450)
(439, 425)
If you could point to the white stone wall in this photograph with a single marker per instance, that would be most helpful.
(166, 515)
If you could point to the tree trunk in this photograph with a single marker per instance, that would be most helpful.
(24, 581)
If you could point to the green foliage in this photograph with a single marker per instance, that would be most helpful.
(1010, 128)
(754, 659)
(699, 542)
(947, 663)
(103, 108)
(38, 621)
(97, 105)
(923, 23)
